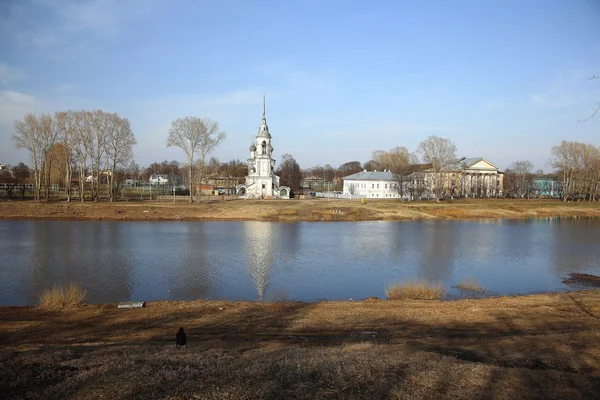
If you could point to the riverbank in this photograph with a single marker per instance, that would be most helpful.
(297, 210)
(504, 348)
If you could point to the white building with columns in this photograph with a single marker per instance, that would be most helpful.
(261, 181)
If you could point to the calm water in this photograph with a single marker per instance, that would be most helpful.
(120, 261)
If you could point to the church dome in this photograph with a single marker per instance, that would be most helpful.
(253, 147)
(263, 130)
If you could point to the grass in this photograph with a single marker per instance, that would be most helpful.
(415, 290)
(278, 302)
(528, 347)
(297, 210)
(583, 280)
(470, 285)
(60, 297)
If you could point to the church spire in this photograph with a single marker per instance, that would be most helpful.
(263, 130)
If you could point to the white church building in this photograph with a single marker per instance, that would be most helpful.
(261, 182)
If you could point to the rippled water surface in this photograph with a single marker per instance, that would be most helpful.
(120, 261)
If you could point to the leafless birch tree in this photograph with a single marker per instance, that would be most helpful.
(36, 134)
(28, 137)
(195, 136)
(67, 135)
(119, 147)
(440, 153)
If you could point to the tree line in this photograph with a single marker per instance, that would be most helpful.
(101, 144)
(95, 141)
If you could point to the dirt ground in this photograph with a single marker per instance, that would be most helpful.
(539, 346)
(297, 210)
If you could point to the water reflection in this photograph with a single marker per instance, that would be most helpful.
(438, 243)
(118, 261)
(259, 246)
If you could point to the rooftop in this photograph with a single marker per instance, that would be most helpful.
(371, 176)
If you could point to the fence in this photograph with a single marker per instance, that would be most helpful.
(338, 195)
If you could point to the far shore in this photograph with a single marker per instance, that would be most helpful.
(535, 346)
(296, 210)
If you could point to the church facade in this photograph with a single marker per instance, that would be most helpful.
(261, 181)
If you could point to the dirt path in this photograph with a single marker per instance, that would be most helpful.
(296, 210)
(503, 348)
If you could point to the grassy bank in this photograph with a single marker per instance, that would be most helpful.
(297, 210)
(502, 348)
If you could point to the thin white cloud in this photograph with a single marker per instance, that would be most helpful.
(567, 90)
(9, 74)
(13, 105)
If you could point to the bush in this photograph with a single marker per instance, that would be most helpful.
(470, 285)
(415, 290)
(59, 297)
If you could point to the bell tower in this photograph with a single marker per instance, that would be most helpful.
(261, 181)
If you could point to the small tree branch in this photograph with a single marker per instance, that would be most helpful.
(594, 112)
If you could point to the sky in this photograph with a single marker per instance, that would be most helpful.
(503, 79)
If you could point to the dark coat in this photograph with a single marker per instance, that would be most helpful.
(180, 339)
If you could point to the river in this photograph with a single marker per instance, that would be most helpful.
(306, 261)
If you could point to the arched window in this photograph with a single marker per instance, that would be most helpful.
(264, 147)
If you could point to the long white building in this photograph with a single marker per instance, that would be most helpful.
(372, 184)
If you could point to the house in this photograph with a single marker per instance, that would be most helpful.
(372, 184)
(465, 177)
(157, 179)
(2, 166)
(546, 186)
(222, 184)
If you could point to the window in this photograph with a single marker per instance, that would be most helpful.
(378, 186)
(263, 185)
(372, 186)
(386, 187)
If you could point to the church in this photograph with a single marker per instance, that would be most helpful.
(261, 182)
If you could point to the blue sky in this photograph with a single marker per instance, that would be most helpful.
(505, 80)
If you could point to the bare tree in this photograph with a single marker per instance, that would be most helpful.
(67, 134)
(82, 146)
(596, 109)
(579, 165)
(398, 161)
(36, 134)
(441, 154)
(28, 137)
(522, 177)
(194, 136)
(119, 147)
(100, 123)
(289, 171)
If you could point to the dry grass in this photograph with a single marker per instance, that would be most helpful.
(278, 302)
(297, 210)
(60, 297)
(470, 285)
(415, 290)
(541, 346)
(583, 280)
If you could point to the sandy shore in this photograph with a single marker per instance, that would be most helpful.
(539, 346)
(296, 210)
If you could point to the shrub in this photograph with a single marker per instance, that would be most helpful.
(470, 285)
(415, 290)
(59, 297)
(278, 302)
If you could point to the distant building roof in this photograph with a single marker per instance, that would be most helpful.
(468, 162)
(371, 176)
